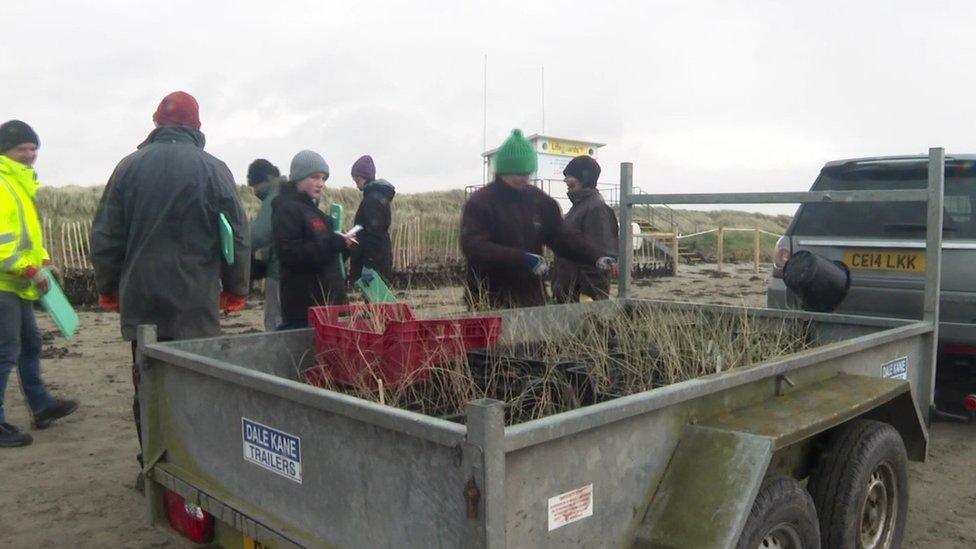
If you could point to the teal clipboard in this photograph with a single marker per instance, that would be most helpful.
(56, 304)
(338, 215)
(226, 239)
(376, 291)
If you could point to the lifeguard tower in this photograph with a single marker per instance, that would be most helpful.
(554, 154)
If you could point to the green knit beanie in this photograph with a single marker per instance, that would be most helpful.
(516, 156)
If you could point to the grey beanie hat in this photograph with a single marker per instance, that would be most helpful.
(305, 164)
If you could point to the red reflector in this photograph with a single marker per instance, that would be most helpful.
(970, 403)
(188, 519)
(959, 349)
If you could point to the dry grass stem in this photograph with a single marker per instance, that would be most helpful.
(635, 350)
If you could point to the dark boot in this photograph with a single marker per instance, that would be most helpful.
(57, 410)
(12, 437)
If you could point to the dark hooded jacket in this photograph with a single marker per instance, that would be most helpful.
(308, 249)
(591, 217)
(375, 250)
(499, 226)
(262, 238)
(156, 236)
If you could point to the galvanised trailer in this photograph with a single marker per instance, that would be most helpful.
(242, 452)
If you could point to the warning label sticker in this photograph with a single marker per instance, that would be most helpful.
(570, 507)
(272, 449)
(896, 369)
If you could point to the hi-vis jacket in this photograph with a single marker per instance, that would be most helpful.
(21, 240)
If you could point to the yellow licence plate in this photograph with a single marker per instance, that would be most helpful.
(885, 260)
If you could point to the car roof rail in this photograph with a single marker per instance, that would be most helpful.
(908, 158)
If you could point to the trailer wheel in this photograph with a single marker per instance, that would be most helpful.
(860, 487)
(782, 517)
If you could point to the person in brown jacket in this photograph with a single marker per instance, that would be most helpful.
(503, 229)
(591, 217)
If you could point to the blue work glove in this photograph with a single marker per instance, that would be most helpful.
(367, 276)
(535, 263)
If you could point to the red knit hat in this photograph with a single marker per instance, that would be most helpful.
(178, 109)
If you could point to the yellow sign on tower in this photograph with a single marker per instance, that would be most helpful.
(567, 148)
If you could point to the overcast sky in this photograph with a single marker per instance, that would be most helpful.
(700, 95)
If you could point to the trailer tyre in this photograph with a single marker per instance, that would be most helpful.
(782, 516)
(860, 486)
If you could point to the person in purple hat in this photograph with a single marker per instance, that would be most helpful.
(375, 252)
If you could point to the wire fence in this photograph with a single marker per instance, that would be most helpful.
(69, 243)
(420, 244)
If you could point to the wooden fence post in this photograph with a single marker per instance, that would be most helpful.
(721, 246)
(76, 228)
(49, 240)
(397, 261)
(88, 232)
(756, 255)
(64, 250)
(69, 230)
(676, 256)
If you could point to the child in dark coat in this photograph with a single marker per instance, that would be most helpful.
(306, 243)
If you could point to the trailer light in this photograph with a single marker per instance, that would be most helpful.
(969, 403)
(781, 256)
(188, 519)
(959, 349)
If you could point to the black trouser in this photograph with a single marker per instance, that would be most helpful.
(136, 411)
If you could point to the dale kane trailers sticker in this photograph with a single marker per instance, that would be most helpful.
(896, 369)
(272, 449)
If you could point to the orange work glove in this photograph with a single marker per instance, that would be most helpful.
(230, 303)
(109, 303)
(37, 277)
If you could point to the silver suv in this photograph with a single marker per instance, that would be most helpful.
(883, 244)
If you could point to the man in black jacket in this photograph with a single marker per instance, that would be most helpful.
(306, 243)
(375, 251)
(156, 234)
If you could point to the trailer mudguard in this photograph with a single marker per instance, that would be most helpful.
(809, 410)
(716, 471)
(707, 492)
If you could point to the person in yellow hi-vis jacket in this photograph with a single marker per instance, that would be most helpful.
(22, 256)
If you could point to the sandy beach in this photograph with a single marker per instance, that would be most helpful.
(73, 486)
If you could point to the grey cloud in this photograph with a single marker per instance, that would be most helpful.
(695, 93)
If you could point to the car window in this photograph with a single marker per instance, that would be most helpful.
(959, 208)
(890, 219)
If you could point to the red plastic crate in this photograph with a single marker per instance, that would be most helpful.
(360, 344)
